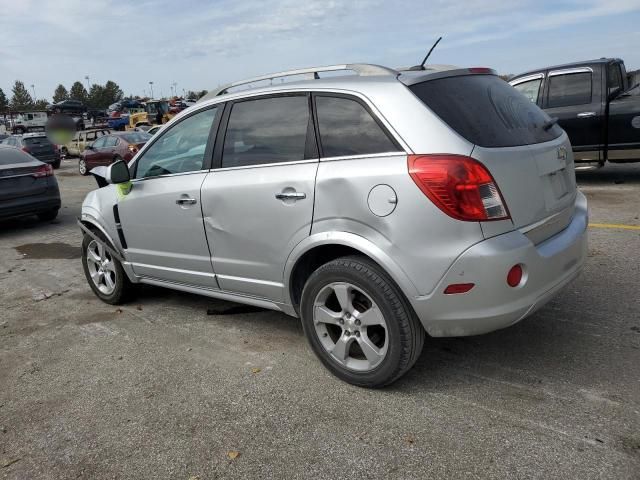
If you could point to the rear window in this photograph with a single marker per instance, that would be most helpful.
(9, 156)
(137, 137)
(31, 141)
(486, 110)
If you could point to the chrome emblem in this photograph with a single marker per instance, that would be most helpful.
(562, 153)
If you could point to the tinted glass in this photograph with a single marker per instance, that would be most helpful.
(570, 89)
(9, 156)
(486, 110)
(614, 78)
(180, 149)
(347, 128)
(530, 89)
(99, 143)
(31, 141)
(268, 130)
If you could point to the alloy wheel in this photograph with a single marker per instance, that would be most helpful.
(350, 326)
(102, 269)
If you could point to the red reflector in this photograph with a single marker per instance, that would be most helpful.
(25, 149)
(514, 277)
(459, 186)
(458, 288)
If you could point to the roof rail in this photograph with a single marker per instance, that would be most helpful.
(361, 69)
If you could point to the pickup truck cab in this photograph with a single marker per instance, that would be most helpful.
(595, 102)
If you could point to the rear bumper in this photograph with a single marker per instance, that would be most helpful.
(492, 304)
(44, 202)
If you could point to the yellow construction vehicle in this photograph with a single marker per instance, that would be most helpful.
(150, 114)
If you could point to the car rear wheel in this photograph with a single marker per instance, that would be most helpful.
(104, 272)
(64, 152)
(56, 164)
(359, 323)
(82, 167)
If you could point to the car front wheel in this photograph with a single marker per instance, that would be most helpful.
(82, 167)
(104, 272)
(359, 323)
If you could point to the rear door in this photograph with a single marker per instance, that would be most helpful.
(574, 96)
(161, 216)
(623, 129)
(258, 202)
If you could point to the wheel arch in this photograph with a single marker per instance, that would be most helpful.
(321, 248)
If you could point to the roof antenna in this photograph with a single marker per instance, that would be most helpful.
(421, 66)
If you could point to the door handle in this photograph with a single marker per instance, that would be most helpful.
(186, 201)
(291, 196)
(586, 114)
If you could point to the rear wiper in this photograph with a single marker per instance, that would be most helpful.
(549, 123)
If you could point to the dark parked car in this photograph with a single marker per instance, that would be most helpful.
(68, 106)
(36, 144)
(27, 186)
(111, 148)
(596, 102)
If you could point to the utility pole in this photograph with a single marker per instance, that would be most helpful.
(34, 91)
(151, 86)
(86, 77)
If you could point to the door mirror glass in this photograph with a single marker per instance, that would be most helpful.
(118, 172)
(614, 92)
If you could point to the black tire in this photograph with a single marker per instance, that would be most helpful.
(405, 333)
(64, 151)
(56, 164)
(49, 215)
(123, 290)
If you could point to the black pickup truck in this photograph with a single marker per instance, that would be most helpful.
(596, 102)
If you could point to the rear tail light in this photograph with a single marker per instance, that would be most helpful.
(45, 170)
(459, 186)
(25, 149)
(133, 148)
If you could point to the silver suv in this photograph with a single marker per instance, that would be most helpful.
(378, 207)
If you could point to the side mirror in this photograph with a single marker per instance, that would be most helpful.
(89, 147)
(117, 172)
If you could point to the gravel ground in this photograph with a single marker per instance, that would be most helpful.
(159, 389)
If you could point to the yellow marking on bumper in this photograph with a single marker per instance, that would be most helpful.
(614, 225)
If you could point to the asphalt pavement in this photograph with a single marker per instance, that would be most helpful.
(160, 389)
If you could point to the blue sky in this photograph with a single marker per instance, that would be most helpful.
(200, 44)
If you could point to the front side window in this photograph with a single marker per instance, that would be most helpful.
(347, 128)
(99, 143)
(569, 89)
(111, 141)
(530, 89)
(180, 149)
(614, 78)
(267, 130)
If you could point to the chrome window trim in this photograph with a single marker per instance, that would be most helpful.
(527, 78)
(569, 71)
(136, 180)
(362, 156)
(262, 165)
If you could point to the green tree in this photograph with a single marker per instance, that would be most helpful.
(4, 102)
(78, 92)
(112, 93)
(96, 96)
(40, 104)
(60, 94)
(21, 99)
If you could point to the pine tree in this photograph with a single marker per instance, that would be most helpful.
(41, 104)
(4, 102)
(112, 93)
(60, 94)
(96, 96)
(21, 99)
(78, 92)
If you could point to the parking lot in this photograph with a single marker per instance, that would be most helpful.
(178, 386)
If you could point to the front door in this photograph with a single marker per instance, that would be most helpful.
(624, 118)
(161, 216)
(258, 203)
(574, 97)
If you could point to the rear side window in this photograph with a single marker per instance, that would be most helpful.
(569, 89)
(530, 89)
(9, 156)
(111, 141)
(486, 110)
(267, 130)
(347, 128)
